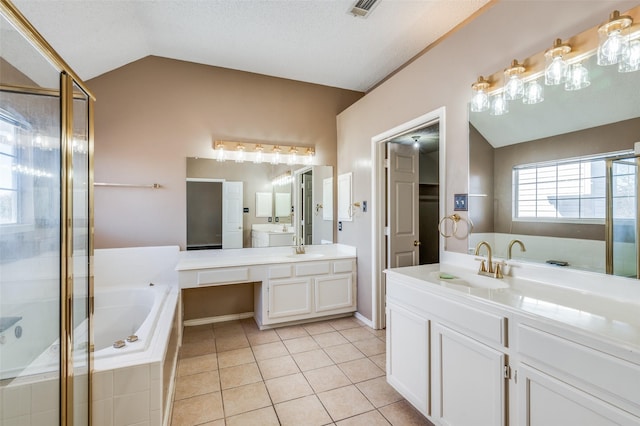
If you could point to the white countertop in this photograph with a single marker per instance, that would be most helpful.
(206, 259)
(608, 316)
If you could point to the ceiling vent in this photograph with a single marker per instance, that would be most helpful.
(362, 8)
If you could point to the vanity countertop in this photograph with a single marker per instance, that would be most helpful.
(610, 317)
(205, 259)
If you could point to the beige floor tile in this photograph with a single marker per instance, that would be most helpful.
(318, 328)
(197, 410)
(203, 347)
(235, 357)
(330, 339)
(197, 364)
(370, 418)
(343, 353)
(355, 334)
(267, 336)
(278, 367)
(269, 350)
(380, 334)
(214, 423)
(197, 384)
(291, 332)
(239, 375)
(370, 347)
(288, 387)
(326, 378)
(306, 411)
(197, 336)
(263, 417)
(249, 325)
(245, 398)
(344, 402)
(231, 342)
(360, 370)
(227, 330)
(301, 344)
(344, 323)
(380, 361)
(402, 413)
(379, 392)
(312, 360)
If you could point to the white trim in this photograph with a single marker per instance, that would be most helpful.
(377, 201)
(205, 180)
(221, 318)
(364, 319)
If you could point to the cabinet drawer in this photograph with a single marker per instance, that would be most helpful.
(312, 268)
(281, 271)
(227, 275)
(343, 266)
(581, 363)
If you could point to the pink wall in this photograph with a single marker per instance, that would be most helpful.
(153, 113)
(442, 78)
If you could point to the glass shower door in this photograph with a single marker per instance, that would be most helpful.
(622, 223)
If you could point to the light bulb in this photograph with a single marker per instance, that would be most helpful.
(258, 158)
(220, 149)
(610, 51)
(630, 57)
(577, 77)
(499, 105)
(479, 99)
(514, 89)
(533, 93)
(554, 73)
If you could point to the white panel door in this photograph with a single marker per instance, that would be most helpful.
(403, 213)
(232, 194)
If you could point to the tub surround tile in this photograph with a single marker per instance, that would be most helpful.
(41, 396)
(288, 387)
(197, 384)
(278, 367)
(402, 413)
(45, 418)
(155, 395)
(245, 398)
(306, 411)
(360, 370)
(312, 360)
(102, 414)
(345, 402)
(330, 339)
(131, 408)
(235, 357)
(379, 392)
(326, 378)
(203, 347)
(301, 344)
(291, 332)
(343, 353)
(102, 385)
(131, 379)
(197, 410)
(263, 417)
(197, 364)
(269, 350)
(239, 375)
(370, 418)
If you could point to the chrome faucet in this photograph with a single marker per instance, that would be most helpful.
(489, 269)
(520, 243)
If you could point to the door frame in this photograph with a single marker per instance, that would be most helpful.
(297, 201)
(378, 202)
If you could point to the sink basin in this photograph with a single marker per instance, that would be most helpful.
(306, 256)
(468, 280)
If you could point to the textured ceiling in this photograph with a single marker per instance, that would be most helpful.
(316, 41)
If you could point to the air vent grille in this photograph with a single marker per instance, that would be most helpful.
(363, 8)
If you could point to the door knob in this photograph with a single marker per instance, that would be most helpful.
(416, 243)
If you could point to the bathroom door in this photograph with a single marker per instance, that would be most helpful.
(307, 211)
(232, 229)
(402, 206)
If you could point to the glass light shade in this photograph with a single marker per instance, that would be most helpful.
(533, 93)
(577, 77)
(630, 58)
(293, 156)
(220, 156)
(514, 89)
(611, 48)
(258, 157)
(479, 101)
(275, 157)
(555, 71)
(499, 105)
(240, 155)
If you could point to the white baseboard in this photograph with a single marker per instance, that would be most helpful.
(364, 319)
(221, 318)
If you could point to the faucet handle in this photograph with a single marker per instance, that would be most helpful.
(498, 270)
(483, 266)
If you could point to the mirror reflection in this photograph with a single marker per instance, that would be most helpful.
(241, 205)
(540, 174)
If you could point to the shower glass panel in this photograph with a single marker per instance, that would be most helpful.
(30, 241)
(623, 209)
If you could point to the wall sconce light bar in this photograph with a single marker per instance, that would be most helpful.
(262, 153)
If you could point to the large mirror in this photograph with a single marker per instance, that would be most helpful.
(540, 174)
(242, 205)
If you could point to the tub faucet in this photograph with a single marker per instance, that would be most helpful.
(489, 269)
(520, 243)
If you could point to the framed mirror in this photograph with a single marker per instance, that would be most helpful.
(539, 173)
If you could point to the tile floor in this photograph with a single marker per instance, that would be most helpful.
(323, 373)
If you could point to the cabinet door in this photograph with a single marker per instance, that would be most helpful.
(469, 383)
(546, 401)
(291, 297)
(408, 356)
(334, 292)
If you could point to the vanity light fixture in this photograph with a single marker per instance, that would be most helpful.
(631, 58)
(308, 159)
(480, 98)
(514, 86)
(533, 93)
(556, 66)
(613, 38)
(293, 156)
(577, 77)
(499, 105)
(258, 157)
(275, 156)
(240, 153)
(220, 151)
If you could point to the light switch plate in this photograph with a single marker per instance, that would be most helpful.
(460, 202)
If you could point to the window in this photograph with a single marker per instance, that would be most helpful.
(572, 190)
(8, 179)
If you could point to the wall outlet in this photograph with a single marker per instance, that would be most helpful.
(460, 202)
(364, 207)
(340, 226)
